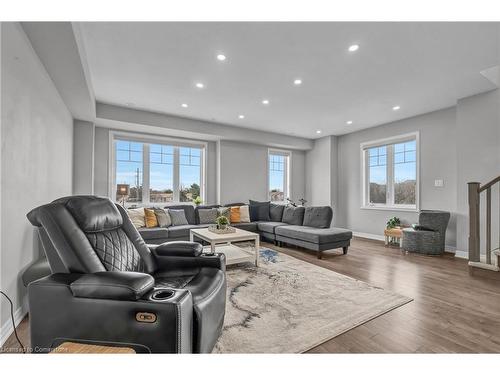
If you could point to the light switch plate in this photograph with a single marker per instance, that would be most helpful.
(438, 183)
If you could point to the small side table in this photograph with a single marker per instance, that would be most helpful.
(394, 234)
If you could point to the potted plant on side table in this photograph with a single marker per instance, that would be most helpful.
(393, 231)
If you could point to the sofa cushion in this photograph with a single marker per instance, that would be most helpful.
(276, 211)
(204, 207)
(207, 215)
(244, 214)
(235, 214)
(314, 235)
(293, 215)
(181, 230)
(269, 226)
(318, 217)
(251, 227)
(259, 211)
(163, 217)
(188, 210)
(178, 217)
(150, 218)
(153, 233)
(137, 217)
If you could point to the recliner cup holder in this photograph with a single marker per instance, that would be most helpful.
(162, 295)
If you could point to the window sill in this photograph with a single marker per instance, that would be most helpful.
(390, 208)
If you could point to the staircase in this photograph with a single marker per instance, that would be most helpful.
(491, 259)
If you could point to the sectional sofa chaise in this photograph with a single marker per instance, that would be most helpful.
(307, 227)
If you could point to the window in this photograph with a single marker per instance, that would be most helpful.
(129, 168)
(161, 173)
(278, 175)
(390, 171)
(158, 172)
(189, 173)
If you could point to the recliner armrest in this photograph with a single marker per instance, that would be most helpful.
(179, 248)
(124, 286)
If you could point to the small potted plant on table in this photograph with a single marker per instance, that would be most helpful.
(222, 222)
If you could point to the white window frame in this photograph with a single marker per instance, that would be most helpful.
(147, 140)
(366, 204)
(287, 174)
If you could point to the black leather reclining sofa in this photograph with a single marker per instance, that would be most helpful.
(106, 287)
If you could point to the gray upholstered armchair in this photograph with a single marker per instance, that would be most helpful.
(428, 236)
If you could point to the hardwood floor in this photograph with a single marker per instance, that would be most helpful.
(452, 311)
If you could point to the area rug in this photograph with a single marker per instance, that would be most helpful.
(290, 306)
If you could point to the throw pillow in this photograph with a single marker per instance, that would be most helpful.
(235, 214)
(224, 211)
(137, 216)
(244, 214)
(276, 211)
(163, 217)
(178, 217)
(207, 215)
(293, 215)
(150, 218)
(259, 211)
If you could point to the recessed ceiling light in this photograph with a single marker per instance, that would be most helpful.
(221, 57)
(349, 122)
(318, 131)
(297, 82)
(184, 105)
(200, 85)
(265, 101)
(353, 48)
(396, 107)
(241, 116)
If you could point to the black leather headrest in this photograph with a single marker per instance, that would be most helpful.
(93, 214)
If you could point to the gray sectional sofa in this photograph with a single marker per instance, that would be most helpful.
(307, 227)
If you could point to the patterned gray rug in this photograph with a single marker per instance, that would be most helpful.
(290, 306)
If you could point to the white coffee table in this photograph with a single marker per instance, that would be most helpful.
(234, 254)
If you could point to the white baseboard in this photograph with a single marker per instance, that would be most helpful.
(462, 254)
(19, 314)
(370, 236)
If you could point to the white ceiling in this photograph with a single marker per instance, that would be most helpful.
(419, 66)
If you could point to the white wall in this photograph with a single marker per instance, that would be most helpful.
(322, 175)
(458, 145)
(318, 172)
(36, 161)
(83, 158)
(437, 161)
(478, 158)
(243, 172)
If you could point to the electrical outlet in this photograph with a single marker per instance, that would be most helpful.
(438, 183)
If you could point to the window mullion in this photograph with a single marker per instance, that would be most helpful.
(367, 178)
(177, 195)
(390, 175)
(145, 173)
